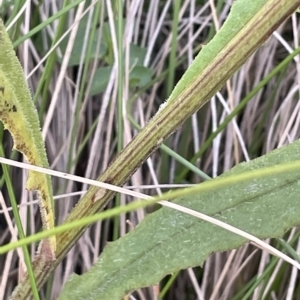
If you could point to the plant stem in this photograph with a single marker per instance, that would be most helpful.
(192, 97)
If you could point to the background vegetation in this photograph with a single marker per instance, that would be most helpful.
(72, 75)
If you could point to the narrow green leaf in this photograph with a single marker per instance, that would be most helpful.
(241, 13)
(167, 240)
(19, 116)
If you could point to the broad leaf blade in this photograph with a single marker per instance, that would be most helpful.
(167, 240)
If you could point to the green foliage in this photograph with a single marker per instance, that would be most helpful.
(241, 12)
(19, 116)
(100, 80)
(139, 75)
(167, 240)
(79, 42)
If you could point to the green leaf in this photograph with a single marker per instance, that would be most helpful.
(167, 240)
(140, 76)
(249, 36)
(241, 12)
(137, 55)
(79, 42)
(100, 80)
(19, 116)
